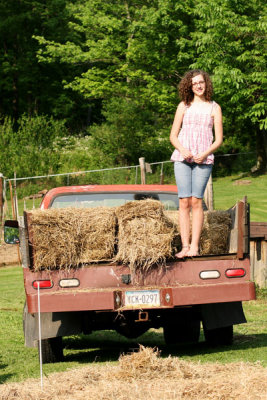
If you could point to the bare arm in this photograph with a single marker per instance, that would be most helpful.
(176, 126)
(218, 129)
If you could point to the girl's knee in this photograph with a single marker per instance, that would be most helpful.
(184, 203)
(196, 202)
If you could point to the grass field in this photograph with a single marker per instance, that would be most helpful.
(228, 190)
(18, 362)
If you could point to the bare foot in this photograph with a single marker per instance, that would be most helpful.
(193, 252)
(183, 252)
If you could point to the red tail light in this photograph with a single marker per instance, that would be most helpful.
(235, 273)
(43, 284)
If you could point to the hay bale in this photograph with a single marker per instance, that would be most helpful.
(69, 237)
(214, 238)
(145, 235)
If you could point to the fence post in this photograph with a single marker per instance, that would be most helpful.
(143, 170)
(16, 196)
(208, 195)
(1, 203)
(161, 175)
(12, 200)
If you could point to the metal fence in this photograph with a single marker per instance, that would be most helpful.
(14, 188)
(161, 172)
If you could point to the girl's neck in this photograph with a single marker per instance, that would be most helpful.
(199, 99)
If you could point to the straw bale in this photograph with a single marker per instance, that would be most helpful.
(215, 233)
(144, 375)
(145, 235)
(69, 237)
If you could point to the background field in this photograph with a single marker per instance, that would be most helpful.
(18, 362)
(230, 189)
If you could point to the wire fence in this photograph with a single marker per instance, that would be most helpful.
(27, 192)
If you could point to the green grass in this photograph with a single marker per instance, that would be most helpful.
(18, 362)
(227, 193)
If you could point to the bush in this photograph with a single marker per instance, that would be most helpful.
(130, 131)
(29, 150)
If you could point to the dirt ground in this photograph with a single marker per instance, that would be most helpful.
(146, 376)
(8, 254)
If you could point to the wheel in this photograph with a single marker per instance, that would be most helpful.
(219, 336)
(182, 332)
(52, 350)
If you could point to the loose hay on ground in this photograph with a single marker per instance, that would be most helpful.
(149, 377)
(68, 237)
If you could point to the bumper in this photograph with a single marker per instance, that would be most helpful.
(114, 299)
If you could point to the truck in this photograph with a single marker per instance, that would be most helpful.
(207, 290)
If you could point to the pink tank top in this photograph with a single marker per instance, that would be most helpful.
(196, 134)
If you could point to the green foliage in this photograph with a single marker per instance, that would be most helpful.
(231, 44)
(26, 85)
(136, 52)
(129, 49)
(130, 131)
(114, 67)
(30, 149)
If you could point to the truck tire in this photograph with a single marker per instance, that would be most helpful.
(52, 350)
(184, 332)
(219, 336)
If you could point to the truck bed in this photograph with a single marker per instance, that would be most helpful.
(103, 286)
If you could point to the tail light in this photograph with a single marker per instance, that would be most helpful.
(235, 272)
(214, 274)
(43, 284)
(67, 283)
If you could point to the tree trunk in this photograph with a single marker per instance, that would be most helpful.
(261, 148)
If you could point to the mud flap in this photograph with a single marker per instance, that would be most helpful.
(53, 324)
(219, 315)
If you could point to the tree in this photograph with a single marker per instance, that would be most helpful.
(26, 85)
(130, 54)
(230, 39)
(131, 50)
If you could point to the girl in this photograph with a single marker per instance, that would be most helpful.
(193, 155)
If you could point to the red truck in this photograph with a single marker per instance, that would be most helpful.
(203, 289)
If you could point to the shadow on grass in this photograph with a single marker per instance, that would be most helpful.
(3, 377)
(108, 346)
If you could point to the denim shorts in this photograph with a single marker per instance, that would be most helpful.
(191, 178)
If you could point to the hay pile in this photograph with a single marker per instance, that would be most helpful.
(68, 237)
(146, 376)
(214, 237)
(145, 236)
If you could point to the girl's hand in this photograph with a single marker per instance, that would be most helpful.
(199, 158)
(186, 154)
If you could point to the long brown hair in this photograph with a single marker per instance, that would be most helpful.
(185, 86)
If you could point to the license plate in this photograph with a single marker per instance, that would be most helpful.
(142, 298)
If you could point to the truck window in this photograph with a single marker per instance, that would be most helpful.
(169, 200)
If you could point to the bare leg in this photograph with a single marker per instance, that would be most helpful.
(184, 218)
(197, 223)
